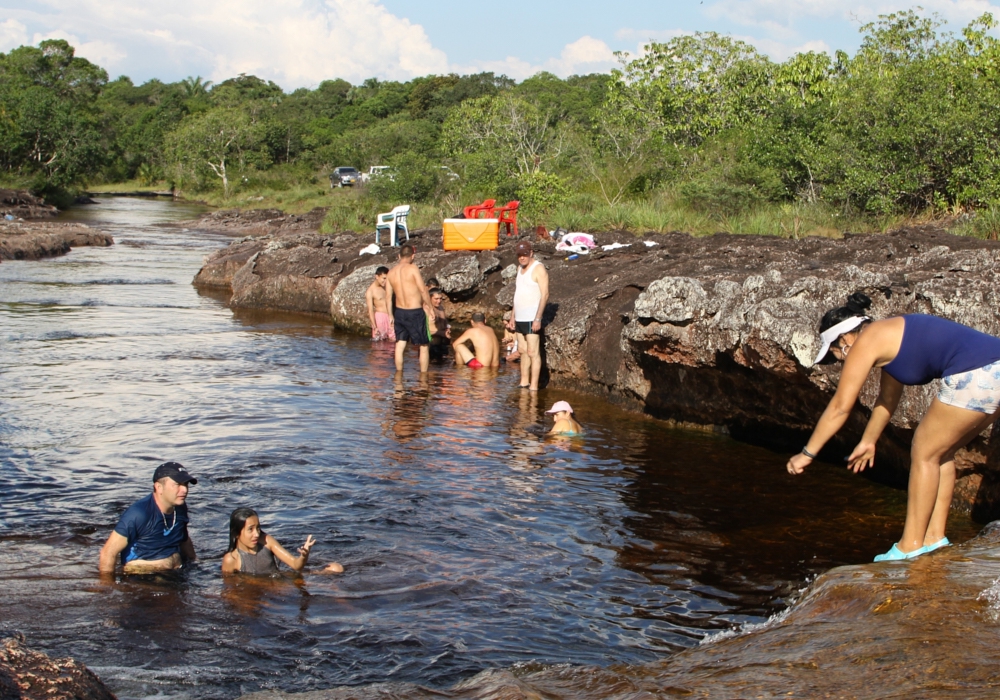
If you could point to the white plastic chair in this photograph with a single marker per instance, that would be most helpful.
(392, 222)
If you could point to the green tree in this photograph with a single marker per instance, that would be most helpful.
(49, 124)
(220, 141)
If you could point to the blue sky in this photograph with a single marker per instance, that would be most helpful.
(298, 43)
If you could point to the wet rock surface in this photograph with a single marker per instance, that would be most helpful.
(33, 240)
(877, 630)
(719, 330)
(30, 675)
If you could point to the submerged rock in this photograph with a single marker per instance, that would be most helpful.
(719, 330)
(30, 675)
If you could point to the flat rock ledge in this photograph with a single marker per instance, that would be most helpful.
(30, 675)
(34, 240)
(715, 331)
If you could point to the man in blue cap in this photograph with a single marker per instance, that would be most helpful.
(152, 534)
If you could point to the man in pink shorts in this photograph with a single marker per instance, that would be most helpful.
(378, 310)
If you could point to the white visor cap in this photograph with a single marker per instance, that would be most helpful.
(833, 332)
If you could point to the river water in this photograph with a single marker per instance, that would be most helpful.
(469, 540)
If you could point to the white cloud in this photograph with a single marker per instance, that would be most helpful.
(585, 55)
(12, 34)
(293, 42)
(780, 17)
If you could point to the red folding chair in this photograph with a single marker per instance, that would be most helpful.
(508, 216)
(475, 211)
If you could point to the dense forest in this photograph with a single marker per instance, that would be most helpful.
(699, 133)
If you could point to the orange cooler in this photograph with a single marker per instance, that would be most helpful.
(471, 234)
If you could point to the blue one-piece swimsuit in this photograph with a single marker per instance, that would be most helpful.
(935, 347)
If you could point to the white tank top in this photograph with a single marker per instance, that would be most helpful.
(527, 294)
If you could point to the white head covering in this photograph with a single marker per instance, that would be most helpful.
(834, 332)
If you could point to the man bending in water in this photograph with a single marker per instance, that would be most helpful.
(152, 534)
(378, 309)
(412, 306)
(484, 342)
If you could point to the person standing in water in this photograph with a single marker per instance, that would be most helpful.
(412, 306)
(484, 342)
(563, 421)
(531, 294)
(441, 333)
(910, 350)
(252, 551)
(152, 534)
(378, 309)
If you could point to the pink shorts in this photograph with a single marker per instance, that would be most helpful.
(383, 327)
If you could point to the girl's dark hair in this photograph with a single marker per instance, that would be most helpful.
(856, 305)
(237, 520)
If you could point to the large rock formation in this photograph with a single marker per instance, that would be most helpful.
(30, 675)
(719, 330)
(32, 240)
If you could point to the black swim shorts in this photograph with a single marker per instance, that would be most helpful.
(411, 326)
(524, 328)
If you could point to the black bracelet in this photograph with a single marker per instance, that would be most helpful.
(807, 453)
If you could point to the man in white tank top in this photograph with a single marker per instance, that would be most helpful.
(531, 294)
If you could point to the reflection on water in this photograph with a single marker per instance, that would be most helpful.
(470, 540)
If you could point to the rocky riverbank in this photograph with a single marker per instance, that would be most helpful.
(26, 674)
(33, 240)
(718, 331)
(28, 233)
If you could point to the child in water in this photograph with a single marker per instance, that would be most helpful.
(562, 413)
(252, 551)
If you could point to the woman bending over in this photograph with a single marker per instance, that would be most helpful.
(910, 350)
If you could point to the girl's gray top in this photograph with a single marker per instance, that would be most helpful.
(260, 563)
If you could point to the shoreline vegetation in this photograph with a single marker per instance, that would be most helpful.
(701, 134)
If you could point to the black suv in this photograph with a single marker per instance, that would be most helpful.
(344, 177)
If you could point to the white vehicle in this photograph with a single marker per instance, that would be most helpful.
(376, 171)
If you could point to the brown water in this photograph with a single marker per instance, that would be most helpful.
(470, 541)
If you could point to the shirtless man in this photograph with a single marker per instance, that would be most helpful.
(152, 534)
(483, 340)
(531, 294)
(412, 306)
(378, 309)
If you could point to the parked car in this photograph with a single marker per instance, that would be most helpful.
(377, 171)
(344, 177)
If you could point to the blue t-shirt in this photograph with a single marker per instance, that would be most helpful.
(148, 537)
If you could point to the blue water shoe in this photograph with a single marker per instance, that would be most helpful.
(895, 554)
(943, 542)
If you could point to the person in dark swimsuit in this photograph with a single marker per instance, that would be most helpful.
(252, 551)
(911, 350)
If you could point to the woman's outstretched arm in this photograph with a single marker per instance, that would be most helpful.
(862, 357)
(863, 456)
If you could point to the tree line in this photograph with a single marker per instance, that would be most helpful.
(906, 124)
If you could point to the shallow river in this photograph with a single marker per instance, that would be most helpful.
(469, 540)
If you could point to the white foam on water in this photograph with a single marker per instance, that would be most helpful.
(992, 597)
(745, 628)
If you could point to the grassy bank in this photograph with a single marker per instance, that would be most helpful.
(663, 211)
